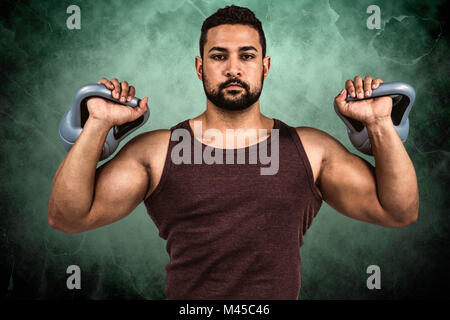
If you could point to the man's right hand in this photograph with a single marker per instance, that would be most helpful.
(85, 197)
(114, 114)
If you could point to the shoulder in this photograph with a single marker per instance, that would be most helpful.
(327, 155)
(146, 147)
(313, 141)
(320, 148)
(313, 134)
(149, 149)
(154, 138)
(320, 142)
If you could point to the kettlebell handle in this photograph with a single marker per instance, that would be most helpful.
(401, 106)
(75, 117)
(94, 90)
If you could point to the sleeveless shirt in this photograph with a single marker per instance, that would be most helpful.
(233, 233)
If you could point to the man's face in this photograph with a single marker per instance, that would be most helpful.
(232, 70)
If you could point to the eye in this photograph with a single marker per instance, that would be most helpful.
(247, 56)
(218, 57)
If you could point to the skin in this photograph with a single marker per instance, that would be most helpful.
(84, 198)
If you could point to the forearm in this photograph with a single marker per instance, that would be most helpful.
(74, 181)
(395, 175)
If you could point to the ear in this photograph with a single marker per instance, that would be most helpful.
(198, 67)
(266, 66)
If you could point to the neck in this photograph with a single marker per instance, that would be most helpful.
(219, 119)
(249, 118)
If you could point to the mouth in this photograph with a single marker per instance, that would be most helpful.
(233, 86)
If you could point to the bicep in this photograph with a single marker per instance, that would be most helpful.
(348, 184)
(120, 186)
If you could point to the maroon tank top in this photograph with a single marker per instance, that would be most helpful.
(231, 232)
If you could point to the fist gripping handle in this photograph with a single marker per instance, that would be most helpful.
(73, 121)
(401, 106)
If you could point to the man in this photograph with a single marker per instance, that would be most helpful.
(233, 233)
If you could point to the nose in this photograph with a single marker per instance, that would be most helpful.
(233, 68)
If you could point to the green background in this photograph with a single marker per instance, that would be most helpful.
(315, 46)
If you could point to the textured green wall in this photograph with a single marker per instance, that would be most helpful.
(315, 46)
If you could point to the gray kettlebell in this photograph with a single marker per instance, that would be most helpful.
(401, 106)
(73, 121)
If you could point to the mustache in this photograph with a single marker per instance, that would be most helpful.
(230, 81)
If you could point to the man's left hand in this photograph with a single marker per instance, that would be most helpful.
(367, 111)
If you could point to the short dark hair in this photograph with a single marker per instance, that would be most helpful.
(232, 15)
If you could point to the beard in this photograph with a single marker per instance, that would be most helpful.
(240, 100)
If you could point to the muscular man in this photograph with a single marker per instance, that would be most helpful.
(231, 232)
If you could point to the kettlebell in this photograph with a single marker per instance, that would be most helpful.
(403, 100)
(73, 121)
